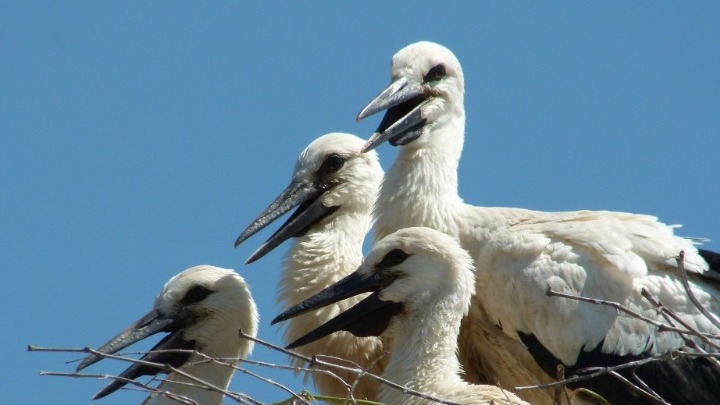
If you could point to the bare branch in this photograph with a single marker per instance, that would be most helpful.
(652, 398)
(690, 330)
(315, 360)
(686, 284)
(662, 327)
(598, 371)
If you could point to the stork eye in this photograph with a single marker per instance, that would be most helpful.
(331, 164)
(393, 258)
(435, 74)
(196, 294)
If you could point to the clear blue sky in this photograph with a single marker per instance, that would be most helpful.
(139, 138)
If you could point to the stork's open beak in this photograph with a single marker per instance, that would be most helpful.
(305, 196)
(404, 120)
(173, 350)
(148, 325)
(370, 317)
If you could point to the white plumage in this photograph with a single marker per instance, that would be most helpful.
(329, 227)
(422, 282)
(518, 253)
(203, 308)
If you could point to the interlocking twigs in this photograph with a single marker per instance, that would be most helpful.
(329, 363)
(197, 382)
(662, 327)
(670, 316)
(649, 395)
(303, 397)
(686, 284)
(356, 369)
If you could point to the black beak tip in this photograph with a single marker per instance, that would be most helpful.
(238, 241)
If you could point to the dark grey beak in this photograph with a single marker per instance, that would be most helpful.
(172, 350)
(370, 317)
(403, 120)
(144, 327)
(305, 196)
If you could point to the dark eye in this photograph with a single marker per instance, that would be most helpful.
(196, 294)
(435, 74)
(331, 164)
(393, 258)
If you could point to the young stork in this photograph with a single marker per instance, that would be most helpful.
(421, 282)
(519, 253)
(334, 187)
(203, 309)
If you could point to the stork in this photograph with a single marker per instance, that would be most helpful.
(515, 333)
(421, 282)
(334, 187)
(203, 309)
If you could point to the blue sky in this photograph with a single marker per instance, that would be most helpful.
(139, 138)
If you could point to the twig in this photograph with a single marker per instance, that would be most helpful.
(364, 371)
(598, 371)
(661, 326)
(273, 383)
(559, 376)
(673, 315)
(686, 284)
(144, 387)
(640, 391)
(164, 367)
(315, 360)
(644, 386)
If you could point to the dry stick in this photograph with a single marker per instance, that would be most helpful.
(231, 362)
(597, 371)
(643, 393)
(661, 326)
(364, 371)
(668, 314)
(164, 367)
(144, 387)
(315, 360)
(350, 387)
(686, 284)
(559, 376)
(644, 386)
(297, 368)
(673, 315)
(271, 382)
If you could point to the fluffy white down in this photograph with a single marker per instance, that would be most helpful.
(329, 251)
(609, 255)
(435, 286)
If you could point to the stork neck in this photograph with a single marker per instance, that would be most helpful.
(329, 251)
(424, 355)
(421, 187)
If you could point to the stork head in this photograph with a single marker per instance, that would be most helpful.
(202, 309)
(406, 271)
(427, 89)
(331, 174)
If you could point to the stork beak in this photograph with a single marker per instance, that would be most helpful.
(305, 196)
(351, 285)
(369, 317)
(148, 325)
(402, 122)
